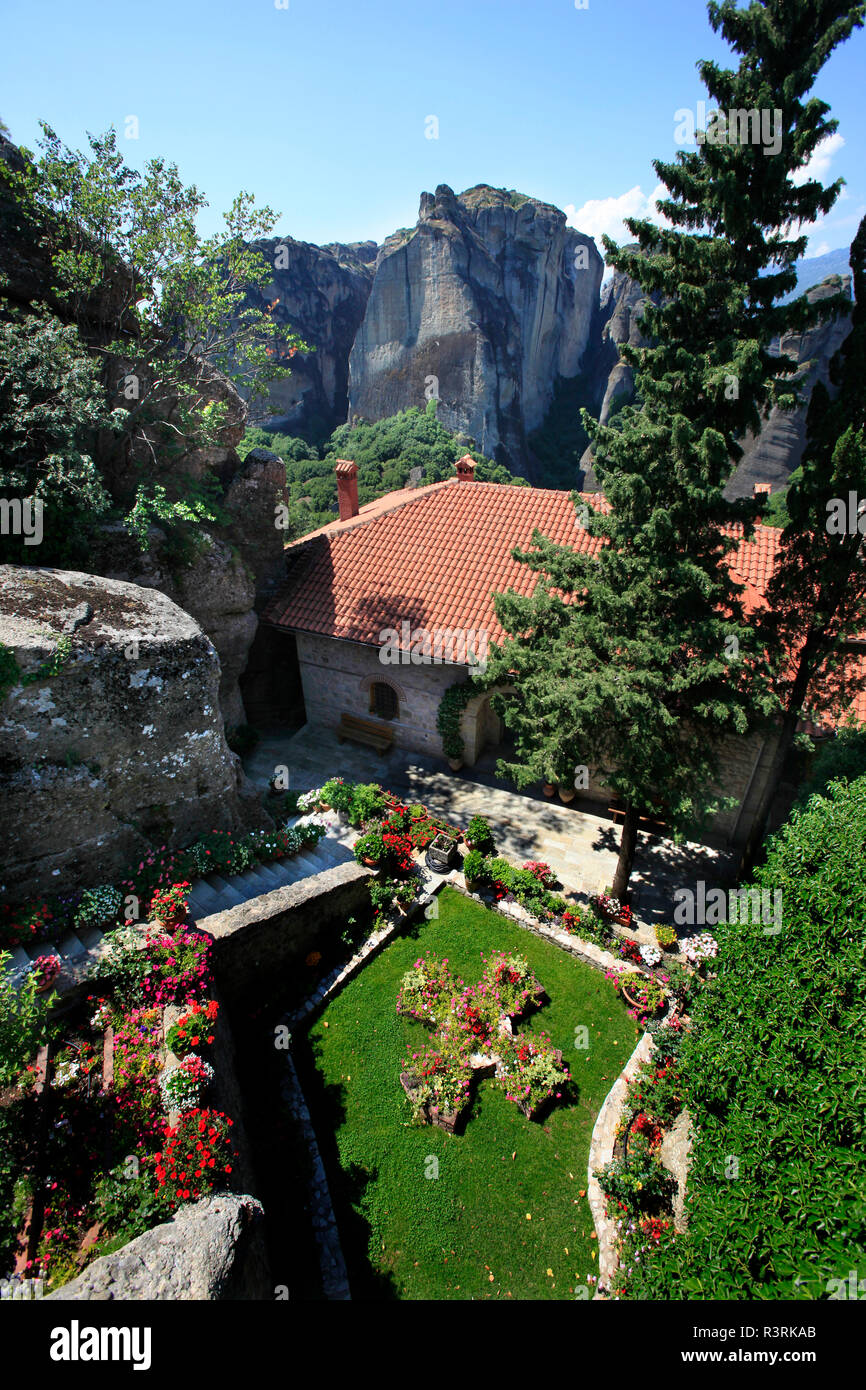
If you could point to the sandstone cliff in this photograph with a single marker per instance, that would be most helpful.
(110, 730)
(486, 301)
(321, 292)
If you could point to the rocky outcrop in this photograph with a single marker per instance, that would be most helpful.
(486, 301)
(321, 292)
(772, 455)
(110, 730)
(212, 1249)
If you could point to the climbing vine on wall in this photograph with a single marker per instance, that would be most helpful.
(450, 713)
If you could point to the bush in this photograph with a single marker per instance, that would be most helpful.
(24, 1024)
(772, 1073)
(640, 1183)
(480, 836)
(126, 1203)
(475, 867)
(369, 846)
(98, 907)
(367, 803)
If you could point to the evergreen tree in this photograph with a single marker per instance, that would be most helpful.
(817, 596)
(638, 657)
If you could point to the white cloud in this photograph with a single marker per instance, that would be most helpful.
(822, 158)
(820, 250)
(598, 215)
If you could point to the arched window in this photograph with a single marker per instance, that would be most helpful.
(383, 700)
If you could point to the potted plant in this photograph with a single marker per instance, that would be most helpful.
(170, 905)
(549, 788)
(46, 969)
(370, 848)
(566, 792)
(479, 835)
(474, 869)
(440, 853)
(666, 936)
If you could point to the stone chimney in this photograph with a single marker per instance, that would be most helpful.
(466, 469)
(347, 488)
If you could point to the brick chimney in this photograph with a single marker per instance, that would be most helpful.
(466, 469)
(347, 488)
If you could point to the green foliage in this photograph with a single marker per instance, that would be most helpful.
(450, 713)
(52, 403)
(126, 1203)
(24, 1023)
(639, 1182)
(387, 453)
(474, 865)
(480, 836)
(839, 759)
(559, 444)
(773, 1075)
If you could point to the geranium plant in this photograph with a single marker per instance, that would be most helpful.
(170, 905)
(196, 1156)
(194, 1029)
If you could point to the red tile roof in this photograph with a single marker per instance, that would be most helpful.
(433, 556)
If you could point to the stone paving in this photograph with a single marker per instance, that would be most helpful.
(580, 846)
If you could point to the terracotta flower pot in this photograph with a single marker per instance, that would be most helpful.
(549, 789)
(370, 862)
(455, 764)
(567, 794)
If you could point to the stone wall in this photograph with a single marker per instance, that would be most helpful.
(337, 676)
(257, 942)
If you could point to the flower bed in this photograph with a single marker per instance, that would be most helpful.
(470, 1020)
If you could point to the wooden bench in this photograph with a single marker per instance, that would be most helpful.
(651, 825)
(359, 730)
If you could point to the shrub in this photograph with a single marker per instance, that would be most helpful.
(639, 1183)
(196, 1157)
(24, 1024)
(480, 836)
(184, 1086)
(126, 1203)
(98, 907)
(475, 867)
(772, 1072)
(367, 803)
(369, 846)
(337, 793)
(194, 1029)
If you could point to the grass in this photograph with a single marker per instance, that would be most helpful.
(507, 1216)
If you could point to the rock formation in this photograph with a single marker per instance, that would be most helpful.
(110, 730)
(485, 302)
(212, 1249)
(321, 292)
(772, 455)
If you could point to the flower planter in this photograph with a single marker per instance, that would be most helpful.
(370, 862)
(567, 794)
(440, 853)
(455, 764)
(549, 789)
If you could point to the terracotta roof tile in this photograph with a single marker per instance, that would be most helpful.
(433, 556)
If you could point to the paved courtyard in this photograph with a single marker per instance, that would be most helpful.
(581, 847)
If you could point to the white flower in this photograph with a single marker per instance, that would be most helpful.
(651, 955)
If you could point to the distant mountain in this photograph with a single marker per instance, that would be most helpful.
(812, 270)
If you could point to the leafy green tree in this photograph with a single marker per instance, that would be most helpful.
(817, 595)
(24, 1024)
(841, 758)
(163, 309)
(51, 406)
(639, 658)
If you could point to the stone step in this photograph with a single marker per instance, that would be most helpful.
(89, 937)
(226, 895)
(203, 900)
(249, 884)
(270, 873)
(70, 947)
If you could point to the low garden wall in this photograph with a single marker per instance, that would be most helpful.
(264, 937)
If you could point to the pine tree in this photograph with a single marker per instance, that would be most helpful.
(817, 596)
(639, 658)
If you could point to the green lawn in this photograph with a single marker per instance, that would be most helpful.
(505, 1217)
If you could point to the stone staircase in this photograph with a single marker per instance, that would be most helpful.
(80, 950)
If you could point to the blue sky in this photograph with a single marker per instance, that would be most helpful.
(322, 108)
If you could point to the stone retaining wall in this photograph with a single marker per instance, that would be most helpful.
(268, 935)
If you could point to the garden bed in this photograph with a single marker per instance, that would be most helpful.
(498, 1219)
